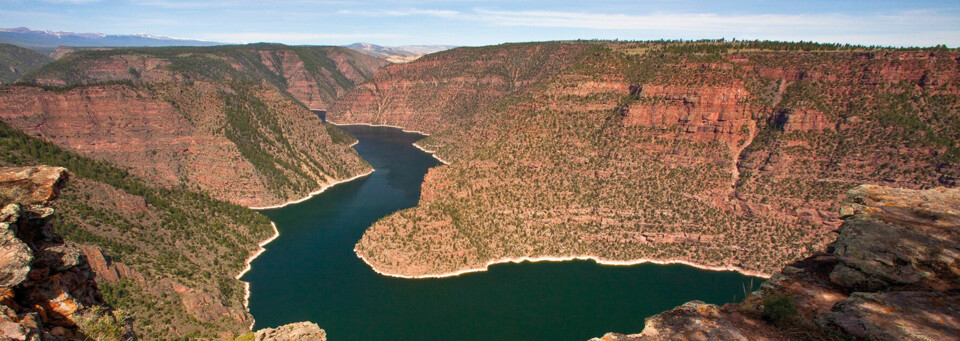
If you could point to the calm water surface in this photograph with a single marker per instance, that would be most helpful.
(311, 274)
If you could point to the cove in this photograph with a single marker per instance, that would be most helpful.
(310, 273)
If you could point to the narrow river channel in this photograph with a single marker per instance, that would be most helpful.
(310, 273)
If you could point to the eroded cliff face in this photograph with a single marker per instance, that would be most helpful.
(447, 88)
(219, 119)
(241, 143)
(47, 288)
(634, 151)
(314, 75)
(892, 274)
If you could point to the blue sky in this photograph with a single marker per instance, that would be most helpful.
(464, 22)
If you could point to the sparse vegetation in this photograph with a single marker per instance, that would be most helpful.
(708, 152)
(779, 310)
(176, 235)
(16, 61)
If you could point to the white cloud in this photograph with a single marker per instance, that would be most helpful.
(655, 21)
(295, 38)
(73, 2)
(914, 27)
(198, 4)
(403, 13)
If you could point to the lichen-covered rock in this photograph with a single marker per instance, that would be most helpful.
(900, 237)
(15, 257)
(32, 185)
(300, 331)
(694, 320)
(892, 274)
(904, 315)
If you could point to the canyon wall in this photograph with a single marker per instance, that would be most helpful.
(707, 153)
(227, 120)
(241, 143)
(447, 88)
(161, 139)
(314, 75)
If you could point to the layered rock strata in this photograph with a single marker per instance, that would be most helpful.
(314, 75)
(228, 120)
(652, 151)
(244, 144)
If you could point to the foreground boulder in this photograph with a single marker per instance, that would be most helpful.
(301, 331)
(892, 274)
(47, 289)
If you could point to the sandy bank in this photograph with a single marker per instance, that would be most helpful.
(260, 250)
(599, 260)
(432, 153)
(312, 194)
(378, 125)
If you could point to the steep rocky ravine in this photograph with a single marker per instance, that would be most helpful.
(172, 130)
(16, 61)
(224, 120)
(167, 257)
(705, 153)
(893, 273)
(51, 286)
(241, 143)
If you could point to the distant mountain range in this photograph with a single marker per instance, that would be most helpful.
(398, 54)
(46, 41)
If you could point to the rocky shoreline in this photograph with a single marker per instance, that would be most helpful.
(247, 267)
(598, 260)
(432, 153)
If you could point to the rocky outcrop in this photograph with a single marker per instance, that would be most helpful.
(892, 274)
(106, 269)
(301, 331)
(34, 185)
(48, 289)
(705, 112)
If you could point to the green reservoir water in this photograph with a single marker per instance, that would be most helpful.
(310, 273)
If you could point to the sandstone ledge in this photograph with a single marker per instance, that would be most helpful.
(300, 331)
(892, 274)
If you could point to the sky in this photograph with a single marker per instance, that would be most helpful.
(466, 22)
